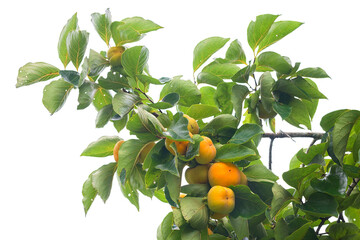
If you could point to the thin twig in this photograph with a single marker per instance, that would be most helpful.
(143, 93)
(323, 220)
(270, 152)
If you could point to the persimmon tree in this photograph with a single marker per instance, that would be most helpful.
(227, 106)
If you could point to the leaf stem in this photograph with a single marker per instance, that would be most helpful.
(143, 93)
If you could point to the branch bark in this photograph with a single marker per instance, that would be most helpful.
(314, 135)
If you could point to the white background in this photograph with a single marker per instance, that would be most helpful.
(41, 171)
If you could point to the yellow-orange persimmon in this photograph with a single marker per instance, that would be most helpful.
(224, 174)
(243, 179)
(181, 146)
(221, 200)
(144, 151)
(207, 151)
(116, 149)
(197, 175)
(192, 126)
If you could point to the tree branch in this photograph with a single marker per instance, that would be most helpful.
(143, 93)
(270, 152)
(313, 135)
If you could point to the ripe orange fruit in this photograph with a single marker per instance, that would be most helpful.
(218, 215)
(207, 151)
(221, 200)
(116, 149)
(243, 179)
(224, 174)
(181, 146)
(197, 175)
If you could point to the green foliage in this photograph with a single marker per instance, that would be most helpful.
(322, 179)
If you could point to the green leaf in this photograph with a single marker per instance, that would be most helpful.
(89, 193)
(328, 121)
(245, 133)
(235, 53)
(208, 78)
(86, 94)
(334, 183)
(351, 171)
(187, 90)
(295, 176)
(131, 29)
(278, 31)
(242, 76)
(241, 226)
(257, 30)
(223, 71)
(281, 199)
(312, 73)
(353, 215)
(308, 87)
(147, 79)
(275, 61)
(70, 76)
(130, 193)
(178, 129)
(172, 186)
(167, 102)
(150, 122)
(120, 124)
(102, 97)
(342, 128)
(195, 190)
(113, 81)
(124, 102)
(307, 155)
(247, 204)
(300, 233)
(299, 114)
(102, 180)
(343, 230)
(283, 110)
(320, 205)
(220, 122)
(260, 172)
(97, 63)
(195, 212)
(136, 127)
(55, 95)
(223, 97)
(134, 60)
(205, 49)
(104, 115)
(238, 95)
(165, 228)
(32, 73)
(266, 85)
(356, 149)
(233, 152)
(102, 147)
(127, 156)
(76, 43)
(102, 24)
(71, 25)
(200, 111)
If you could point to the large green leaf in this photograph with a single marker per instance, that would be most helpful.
(313, 73)
(235, 53)
(307, 155)
(277, 31)
(76, 43)
(102, 24)
(260, 172)
(208, 78)
(223, 71)
(89, 193)
(102, 147)
(342, 230)
(71, 25)
(275, 61)
(32, 73)
(97, 63)
(86, 94)
(167, 102)
(320, 205)
(178, 128)
(195, 212)
(124, 102)
(127, 156)
(342, 128)
(328, 121)
(104, 115)
(299, 114)
(70, 76)
(266, 86)
(113, 81)
(247, 204)
(295, 176)
(187, 90)
(220, 122)
(130, 193)
(134, 60)
(238, 95)
(165, 228)
(55, 95)
(102, 98)
(233, 152)
(281, 199)
(240, 225)
(102, 179)
(223, 97)
(245, 133)
(131, 29)
(333, 183)
(136, 127)
(257, 30)
(200, 111)
(151, 122)
(205, 49)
